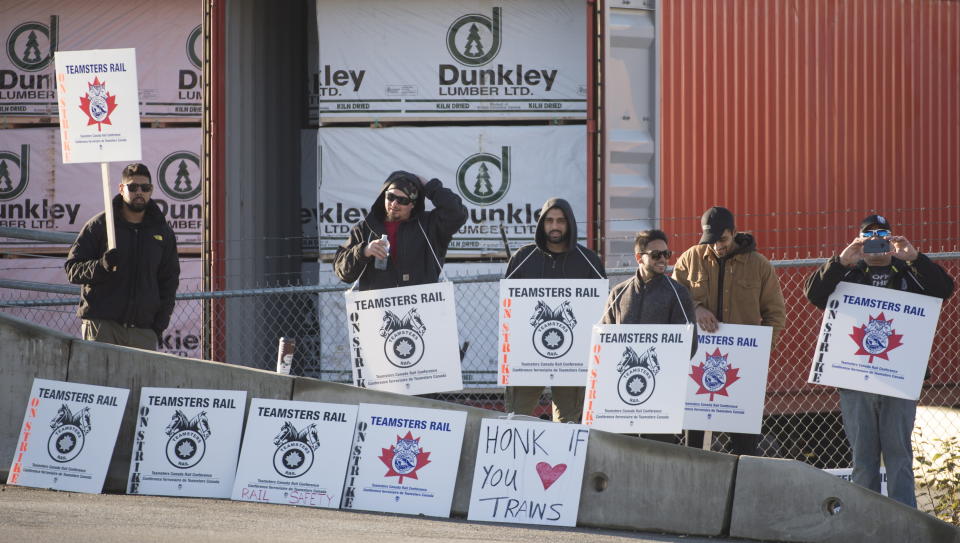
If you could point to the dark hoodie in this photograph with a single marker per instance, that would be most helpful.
(141, 292)
(535, 261)
(414, 262)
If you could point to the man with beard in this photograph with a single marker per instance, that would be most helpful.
(555, 255)
(127, 293)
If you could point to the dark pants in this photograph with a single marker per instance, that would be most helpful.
(113, 332)
(739, 443)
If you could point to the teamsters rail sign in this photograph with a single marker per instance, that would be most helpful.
(544, 333)
(68, 434)
(875, 340)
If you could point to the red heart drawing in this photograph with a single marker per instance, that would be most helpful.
(549, 474)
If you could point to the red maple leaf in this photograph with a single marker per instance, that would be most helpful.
(85, 106)
(893, 340)
(733, 375)
(423, 458)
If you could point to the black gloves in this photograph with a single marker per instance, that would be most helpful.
(110, 260)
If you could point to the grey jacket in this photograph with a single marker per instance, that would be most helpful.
(661, 301)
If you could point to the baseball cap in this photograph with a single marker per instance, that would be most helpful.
(875, 220)
(714, 221)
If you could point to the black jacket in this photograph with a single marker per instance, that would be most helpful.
(661, 301)
(535, 261)
(141, 291)
(415, 263)
(923, 277)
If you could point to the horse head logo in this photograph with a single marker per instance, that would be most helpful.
(631, 359)
(410, 321)
(179, 422)
(289, 432)
(81, 419)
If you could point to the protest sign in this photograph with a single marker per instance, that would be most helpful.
(67, 438)
(540, 342)
(636, 382)
(186, 442)
(727, 379)
(847, 475)
(528, 472)
(404, 460)
(404, 339)
(875, 340)
(295, 453)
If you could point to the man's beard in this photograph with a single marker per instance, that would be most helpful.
(563, 237)
(136, 207)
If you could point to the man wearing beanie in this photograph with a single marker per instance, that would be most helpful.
(731, 282)
(418, 238)
(880, 425)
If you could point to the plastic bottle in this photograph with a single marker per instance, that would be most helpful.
(381, 263)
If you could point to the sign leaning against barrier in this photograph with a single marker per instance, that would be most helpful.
(67, 438)
(875, 340)
(404, 339)
(727, 382)
(544, 333)
(637, 377)
(186, 443)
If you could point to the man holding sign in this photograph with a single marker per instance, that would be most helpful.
(877, 424)
(128, 292)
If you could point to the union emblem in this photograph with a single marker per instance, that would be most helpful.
(715, 374)
(876, 338)
(404, 458)
(98, 104)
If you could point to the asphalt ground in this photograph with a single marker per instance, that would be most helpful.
(34, 516)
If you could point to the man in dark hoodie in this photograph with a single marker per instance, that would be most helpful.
(418, 238)
(731, 282)
(128, 292)
(555, 255)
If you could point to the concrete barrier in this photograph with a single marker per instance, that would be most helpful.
(786, 500)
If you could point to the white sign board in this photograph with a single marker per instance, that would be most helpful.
(404, 339)
(295, 453)
(544, 332)
(528, 472)
(520, 59)
(875, 340)
(727, 381)
(187, 441)
(404, 460)
(637, 379)
(67, 437)
(99, 105)
(847, 475)
(503, 174)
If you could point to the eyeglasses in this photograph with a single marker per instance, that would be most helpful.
(870, 233)
(402, 200)
(142, 187)
(657, 255)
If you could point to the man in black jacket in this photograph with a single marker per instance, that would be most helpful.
(128, 292)
(418, 239)
(555, 255)
(877, 424)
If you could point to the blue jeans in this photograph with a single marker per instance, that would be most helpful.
(878, 425)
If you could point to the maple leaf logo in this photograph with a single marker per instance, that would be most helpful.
(876, 338)
(404, 458)
(98, 104)
(714, 375)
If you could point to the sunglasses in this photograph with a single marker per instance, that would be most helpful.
(871, 233)
(402, 200)
(657, 255)
(142, 187)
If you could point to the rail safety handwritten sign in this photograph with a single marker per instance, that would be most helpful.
(637, 377)
(875, 340)
(67, 437)
(528, 472)
(404, 460)
(544, 333)
(186, 443)
(727, 379)
(404, 339)
(295, 453)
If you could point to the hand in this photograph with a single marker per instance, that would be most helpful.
(902, 249)
(706, 320)
(853, 253)
(375, 249)
(110, 259)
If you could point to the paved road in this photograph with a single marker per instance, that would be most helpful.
(35, 516)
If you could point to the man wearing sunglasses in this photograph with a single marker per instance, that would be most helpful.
(730, 282)
(418, 238)
(880, 425)
(127, 293)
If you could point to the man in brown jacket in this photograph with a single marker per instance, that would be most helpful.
(730, 281)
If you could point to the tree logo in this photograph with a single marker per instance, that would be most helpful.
(179, 175)
(192, 42)
(14, 172)
(25, 44)
(477, 177)
(188, 439)
(474, 39)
